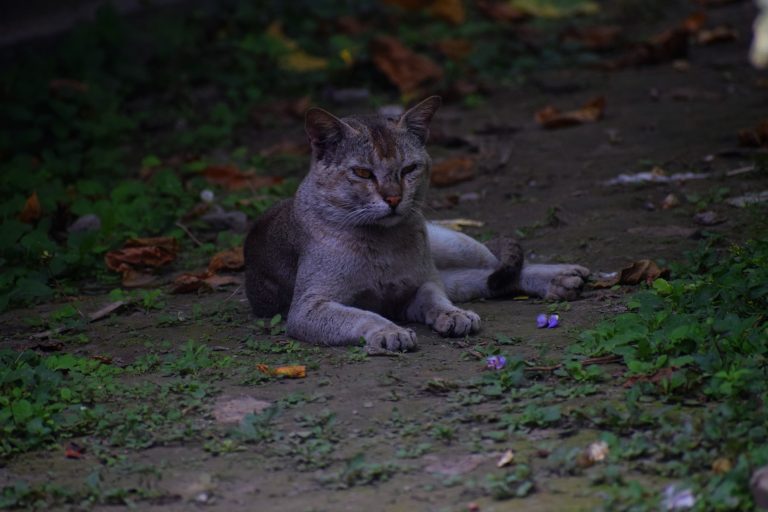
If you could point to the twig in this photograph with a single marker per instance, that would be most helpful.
(189, 233)
(584, 362)
(96, 315)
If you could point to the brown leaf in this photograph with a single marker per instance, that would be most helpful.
(642, 271)
(451, 11)
(501, 11)
(204, 281)
(67, 84)
(454, 49)
(231, 259)
(597, 38)
(31, 211)
(719, 34)
(143, 253)
(550, 117)
(694, 22)
(405, 68)
(232, 178)
(655, 378)
(669, 45)
(453, 170)
(755, 137)
(74, 451)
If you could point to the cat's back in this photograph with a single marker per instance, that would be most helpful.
(271, 250)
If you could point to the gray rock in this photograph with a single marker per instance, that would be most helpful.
(86, 223)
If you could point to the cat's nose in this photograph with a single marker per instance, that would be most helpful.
(392, 201)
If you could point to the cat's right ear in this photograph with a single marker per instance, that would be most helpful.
(324, 130)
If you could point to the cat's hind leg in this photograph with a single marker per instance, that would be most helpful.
(470, 270)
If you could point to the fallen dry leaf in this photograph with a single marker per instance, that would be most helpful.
(232, 178)
(592, 454)
(667, 46)
(231, 259)
(694, 22)
(67, 84)
(640, 271)
(207, 281)
(137, 279)
(551, 118)
(454, 49)
(74, 451)
(291, 372)
(506, 459)
(31, 211)
(755, 137)
(719, 34)
(670, 201)
(451, 11)
(597, 38)
(452, 170)
(501, 11)
(722, 465)
(143, 253)
(405, 68)
(655, 378)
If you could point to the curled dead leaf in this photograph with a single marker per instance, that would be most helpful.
(31, 211)
(722, 465)
(501, 11)
(74, 451)
(592, 454)
(405, 68)
(596, 38)
(231, 259)
(507, 458)
(454, 49)
(204, 281)
(640, 271)
(143, 253)
(755, 137)
(667, 46)
(453, 170)
(719, 34)
(232, 178)
(291, 372)
(551, 118)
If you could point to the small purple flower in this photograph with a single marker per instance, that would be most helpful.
(541, 321)
(496, 362)
(554, 321)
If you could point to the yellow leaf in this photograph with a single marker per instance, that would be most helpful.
(295, 59)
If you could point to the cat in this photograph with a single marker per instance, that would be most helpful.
(351, 251)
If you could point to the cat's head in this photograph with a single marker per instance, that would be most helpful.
(370, 170)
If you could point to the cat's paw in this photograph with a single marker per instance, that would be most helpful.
(392, 339)
(456, 323)
(554, 282)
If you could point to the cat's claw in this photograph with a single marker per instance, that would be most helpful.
(392, 339)
(456, 323)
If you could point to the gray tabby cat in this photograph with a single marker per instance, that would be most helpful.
(351, 252)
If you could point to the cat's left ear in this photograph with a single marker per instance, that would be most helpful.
(416, 120)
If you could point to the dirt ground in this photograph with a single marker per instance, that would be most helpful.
(427, 434)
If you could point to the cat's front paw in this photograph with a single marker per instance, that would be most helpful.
(392, 339)
(456, 323)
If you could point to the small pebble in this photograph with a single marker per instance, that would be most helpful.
(207, 195)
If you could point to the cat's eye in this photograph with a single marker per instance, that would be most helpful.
(408, 169)
(362, 172)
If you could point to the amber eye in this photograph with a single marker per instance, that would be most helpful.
(409, 169)
(362, 172)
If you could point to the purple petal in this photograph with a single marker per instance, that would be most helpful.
(496, 362)
(554, 321)
(541, 321)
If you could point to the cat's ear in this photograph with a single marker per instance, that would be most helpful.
(416, 119)
(324, 130)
